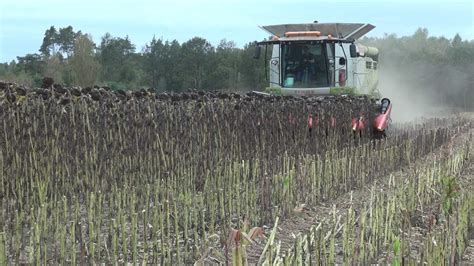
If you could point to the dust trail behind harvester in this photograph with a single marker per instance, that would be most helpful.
(422, 89)
(410, 102)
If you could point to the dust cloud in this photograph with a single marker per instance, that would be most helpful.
(409, 102)
(414, 96)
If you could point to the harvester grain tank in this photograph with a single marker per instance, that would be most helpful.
(316, 59)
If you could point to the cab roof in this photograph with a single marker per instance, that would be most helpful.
(338, 31)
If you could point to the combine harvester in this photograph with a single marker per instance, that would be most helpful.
(319, 59)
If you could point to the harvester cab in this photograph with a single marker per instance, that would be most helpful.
(317, 59)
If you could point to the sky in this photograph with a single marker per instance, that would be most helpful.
(23, 22)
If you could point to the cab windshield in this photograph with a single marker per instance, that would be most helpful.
(304, 65)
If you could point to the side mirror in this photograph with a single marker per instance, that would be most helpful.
(353, 50)
(342, 61)
(256, 54)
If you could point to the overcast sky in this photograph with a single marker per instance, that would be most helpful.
(23, 23)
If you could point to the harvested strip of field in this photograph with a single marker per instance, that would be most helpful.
(356, 227)
(439, 233)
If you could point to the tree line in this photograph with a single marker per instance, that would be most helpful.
(434, 65)
(72, 58)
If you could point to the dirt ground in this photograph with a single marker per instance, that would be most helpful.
(468, 256)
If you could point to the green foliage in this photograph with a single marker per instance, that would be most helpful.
(59, 41)
(195, 67)
(83, 63)
(450, 192)
(30, 63)
(53, 67)
(396, 252)
(116, 85)
(224, 62)
(19, 77)
(67, 76)
(116, 56)
(197, 64)
(253, 71)
(67, 39)
(50, 40)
